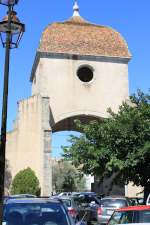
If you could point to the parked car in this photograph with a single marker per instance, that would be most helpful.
(6, 198)
(148, 200)
(24, 196)
(128, 215)
(137, 201)
(91, 201)
(77, 207)
(109, 204)
(85, 192)
(64, 193)
(36, 211)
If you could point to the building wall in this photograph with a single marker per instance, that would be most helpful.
(132, 190)
(56, 77)
(27, 144)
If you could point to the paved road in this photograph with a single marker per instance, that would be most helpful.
(94, 223)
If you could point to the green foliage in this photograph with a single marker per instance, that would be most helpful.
(119, 145)
(65, 178)
(25, 182)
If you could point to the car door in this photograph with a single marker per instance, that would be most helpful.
(93, 203)
(87, 211)
(79, 208)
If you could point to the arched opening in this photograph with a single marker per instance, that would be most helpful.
(68, 124)
(60, 134)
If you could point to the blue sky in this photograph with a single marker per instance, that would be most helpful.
(131, 18)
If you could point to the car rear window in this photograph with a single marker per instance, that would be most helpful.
(35, 213)
(119, 203)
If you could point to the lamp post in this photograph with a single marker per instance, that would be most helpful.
(12, 30)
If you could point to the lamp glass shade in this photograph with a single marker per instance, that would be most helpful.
(14, 39)
(15, 27)
(16, 32)
(9, 2)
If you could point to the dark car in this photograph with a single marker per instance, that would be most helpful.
(109, 204)
(91, 201)
(36, 211)
(135, 214)
(77, 207)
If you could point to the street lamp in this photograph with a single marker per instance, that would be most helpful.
(9, 2)
(13, 30)
(16, 30)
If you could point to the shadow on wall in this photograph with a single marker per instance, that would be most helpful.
(8, 178)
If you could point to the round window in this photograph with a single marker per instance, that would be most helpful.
(85, 74)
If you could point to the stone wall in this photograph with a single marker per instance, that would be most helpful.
(27, 144)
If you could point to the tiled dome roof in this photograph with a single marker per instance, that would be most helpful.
(78, 36)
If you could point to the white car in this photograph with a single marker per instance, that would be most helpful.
(148, 200)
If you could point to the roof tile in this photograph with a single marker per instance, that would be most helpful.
(81, 37)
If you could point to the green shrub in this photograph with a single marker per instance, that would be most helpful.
(25, 182)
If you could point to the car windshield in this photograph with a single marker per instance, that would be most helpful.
(35, 213)
(124, 217)
(119, 203)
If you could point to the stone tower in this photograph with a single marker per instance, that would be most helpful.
(80, 70)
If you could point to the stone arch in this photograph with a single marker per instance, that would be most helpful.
(66, 121)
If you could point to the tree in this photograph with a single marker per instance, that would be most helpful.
(118, 147)
(25, 182)
(65, 178)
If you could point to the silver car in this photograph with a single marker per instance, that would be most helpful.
(108, 206)
(77, 207)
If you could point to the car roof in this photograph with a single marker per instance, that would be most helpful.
(69, 196)
(64, 197)
(88, 193)
(33, 200)
(137, 207)
(114, 196)
(135, 223)
(23, 194)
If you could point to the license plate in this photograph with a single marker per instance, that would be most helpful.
(110, 212)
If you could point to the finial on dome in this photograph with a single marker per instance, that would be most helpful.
(76, 9)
